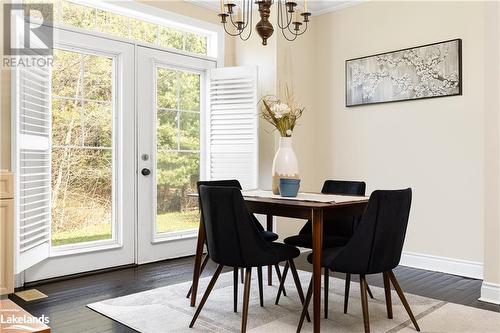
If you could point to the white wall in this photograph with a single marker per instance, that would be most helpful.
(434, 146)
(492, 156)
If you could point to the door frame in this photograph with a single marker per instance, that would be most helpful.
(120, 250)
(38, 272)
(150, 247)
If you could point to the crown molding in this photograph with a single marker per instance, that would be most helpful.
(343, 5)
(335, 5)
(203, 4)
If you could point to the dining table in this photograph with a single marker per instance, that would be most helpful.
(316, 207)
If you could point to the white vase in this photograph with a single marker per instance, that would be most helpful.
(285, 164)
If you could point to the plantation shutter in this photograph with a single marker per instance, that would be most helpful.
(233, 125)
(32, 164)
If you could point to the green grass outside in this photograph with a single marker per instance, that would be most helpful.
(167, 222)
(175, 221)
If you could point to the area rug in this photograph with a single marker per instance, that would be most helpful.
(167, 309)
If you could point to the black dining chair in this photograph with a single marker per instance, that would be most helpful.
(233, 240)
(336, 232)
(267, 235)
(375, 247)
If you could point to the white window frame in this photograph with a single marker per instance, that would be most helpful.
(133, 9)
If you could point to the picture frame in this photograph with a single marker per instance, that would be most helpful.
(422, 72)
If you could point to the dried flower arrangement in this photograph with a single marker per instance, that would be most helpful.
(281, 113)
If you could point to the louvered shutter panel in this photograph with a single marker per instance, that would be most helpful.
(233, 125)
(32, 164)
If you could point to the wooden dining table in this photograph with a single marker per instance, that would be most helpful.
(317, 212)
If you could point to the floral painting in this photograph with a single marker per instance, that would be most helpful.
(433, 70)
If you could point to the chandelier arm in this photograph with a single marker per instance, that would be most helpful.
(293, 33)
(291, 39)
(302, 32)
(296, 33)
(247, 37)
(251, 23)
(248, 13)
(232, 21)
(280, 17)
(236, 25)
(230, 33)
(244, 15)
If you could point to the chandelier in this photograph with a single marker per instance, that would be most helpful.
(238, 14)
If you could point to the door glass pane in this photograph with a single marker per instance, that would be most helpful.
(189, 91)
(178, 149)
(189, 131)
(82, 148)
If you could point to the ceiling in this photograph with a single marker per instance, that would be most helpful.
(316, 7)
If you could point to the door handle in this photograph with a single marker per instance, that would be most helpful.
(145, 172)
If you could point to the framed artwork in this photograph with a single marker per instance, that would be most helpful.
(427, 71)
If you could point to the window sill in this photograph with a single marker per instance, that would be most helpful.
(173, 236)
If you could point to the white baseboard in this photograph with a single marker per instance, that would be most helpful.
(459, 267)
(490, 292)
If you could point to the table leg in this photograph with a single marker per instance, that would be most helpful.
(269, 222)
(317, 231)
(197, 261)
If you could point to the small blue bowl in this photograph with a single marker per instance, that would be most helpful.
(289, 187)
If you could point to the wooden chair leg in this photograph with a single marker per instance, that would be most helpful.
(401, 295)
(246, 297)
(364, 303)
(282, 283)
(242, 274)
(235, 289)
(305, 306)
(278, 273)
(261, 293)
(388, 300)
(346, 292)
(326, 289)
(296, 279)
(206, 294)
(203, 264)
(368, 290)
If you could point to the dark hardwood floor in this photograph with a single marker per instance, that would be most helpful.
(66, 304)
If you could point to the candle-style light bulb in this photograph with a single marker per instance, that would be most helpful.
(239, 16)
(305, 6)
(222, 6)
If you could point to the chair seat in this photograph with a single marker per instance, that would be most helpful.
(328, 256)
(268, 235)
(282, 252)
(285, 252)
(305, 240)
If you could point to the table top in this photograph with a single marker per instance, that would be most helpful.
(300, 203)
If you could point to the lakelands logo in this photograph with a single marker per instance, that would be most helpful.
(17, 322)
(28, 39)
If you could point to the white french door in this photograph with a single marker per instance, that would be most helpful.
(92, 156)
(171, 99)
